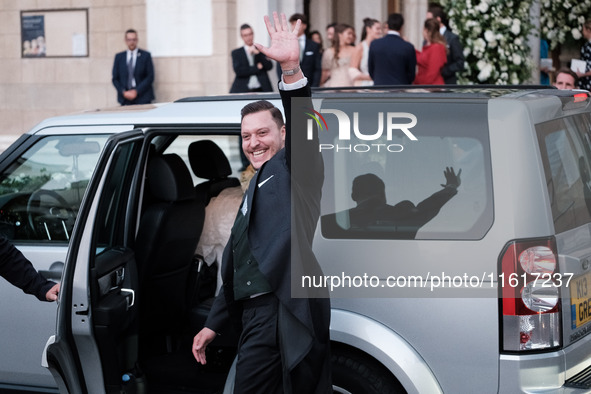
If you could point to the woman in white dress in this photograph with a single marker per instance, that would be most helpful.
(372, 29)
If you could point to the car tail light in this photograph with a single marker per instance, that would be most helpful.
(530, 297)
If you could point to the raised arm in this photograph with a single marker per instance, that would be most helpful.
(284, 47)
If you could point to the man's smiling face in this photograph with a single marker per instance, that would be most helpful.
(262, 137)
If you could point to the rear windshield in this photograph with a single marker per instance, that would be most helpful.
(566, 155)
(427, 176)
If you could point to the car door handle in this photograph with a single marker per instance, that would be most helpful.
(54, 271)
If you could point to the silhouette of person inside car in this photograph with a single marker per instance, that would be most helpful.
(372, 217)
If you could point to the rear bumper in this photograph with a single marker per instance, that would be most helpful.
(551, 372)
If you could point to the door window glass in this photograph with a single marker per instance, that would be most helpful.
(393, 187)
(41, 192)
(565, 145)
(112, 211)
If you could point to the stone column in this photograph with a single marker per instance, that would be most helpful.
(414, 12)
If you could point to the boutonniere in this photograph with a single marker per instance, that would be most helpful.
(139, 54)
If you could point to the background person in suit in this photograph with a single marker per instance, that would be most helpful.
(455, 51)
(133, 73)
(392, 60)
(310, 56)
(284, 344)
(250, 66)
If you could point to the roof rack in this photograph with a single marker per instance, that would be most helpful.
(488, 90)
(434, 87)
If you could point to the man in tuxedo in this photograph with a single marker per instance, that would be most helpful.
(250, 66)
(455, 51)
(284, 342)
(392, 60)
(310, 56)
(133, 73)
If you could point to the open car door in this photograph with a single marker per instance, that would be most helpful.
(131, 298)
(95, 347)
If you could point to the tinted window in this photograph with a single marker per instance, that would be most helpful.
(393, 187)
(227, 143)
(41, 192)
(566, 155)
(112, 211)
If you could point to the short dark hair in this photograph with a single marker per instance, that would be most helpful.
(260, 106)
(437, 11)
(130, 31)
(295, 17)
(333, 24)
(395, 21)
(245, 26)
(566, 70)
(366, 186)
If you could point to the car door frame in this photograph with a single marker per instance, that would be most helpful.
(74, 329)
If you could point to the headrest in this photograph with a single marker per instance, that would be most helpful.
(208, 161)
(169, 178)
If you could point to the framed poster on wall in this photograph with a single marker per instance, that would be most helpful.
(54, 33)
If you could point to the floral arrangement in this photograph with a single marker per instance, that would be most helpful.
(562, 20)
(494, 34)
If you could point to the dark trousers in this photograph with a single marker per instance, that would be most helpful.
(258, 369)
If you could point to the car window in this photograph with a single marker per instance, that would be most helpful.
(227, 143)
(111, 214)
(41, 192)
(565, 145)
(393, 187)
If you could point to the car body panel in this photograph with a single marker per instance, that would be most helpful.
(448, 342)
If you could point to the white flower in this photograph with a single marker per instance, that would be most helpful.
(515, 29)
(576, 34)
(518, 41)
(484, 74)
(489, 36)
(482, 7)
(516, 59)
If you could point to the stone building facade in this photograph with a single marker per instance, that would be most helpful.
(190, 41)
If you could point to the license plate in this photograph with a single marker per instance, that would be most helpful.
(580, 295)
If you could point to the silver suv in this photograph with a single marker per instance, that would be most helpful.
(455, 241)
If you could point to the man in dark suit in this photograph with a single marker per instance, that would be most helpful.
(392, 60)
(250, 66)
(455, 51)
(284, 342)
(310, 56)
(133, 73)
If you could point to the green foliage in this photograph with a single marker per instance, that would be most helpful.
(562, 20)
(494, 34)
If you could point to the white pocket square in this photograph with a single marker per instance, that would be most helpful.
(309, 53)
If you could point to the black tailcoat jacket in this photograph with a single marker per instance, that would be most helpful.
(244, 71)
(284, 204)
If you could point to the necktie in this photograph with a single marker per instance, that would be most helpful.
(130, 70)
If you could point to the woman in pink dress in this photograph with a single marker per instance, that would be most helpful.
(337, 59)
(433, 57)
